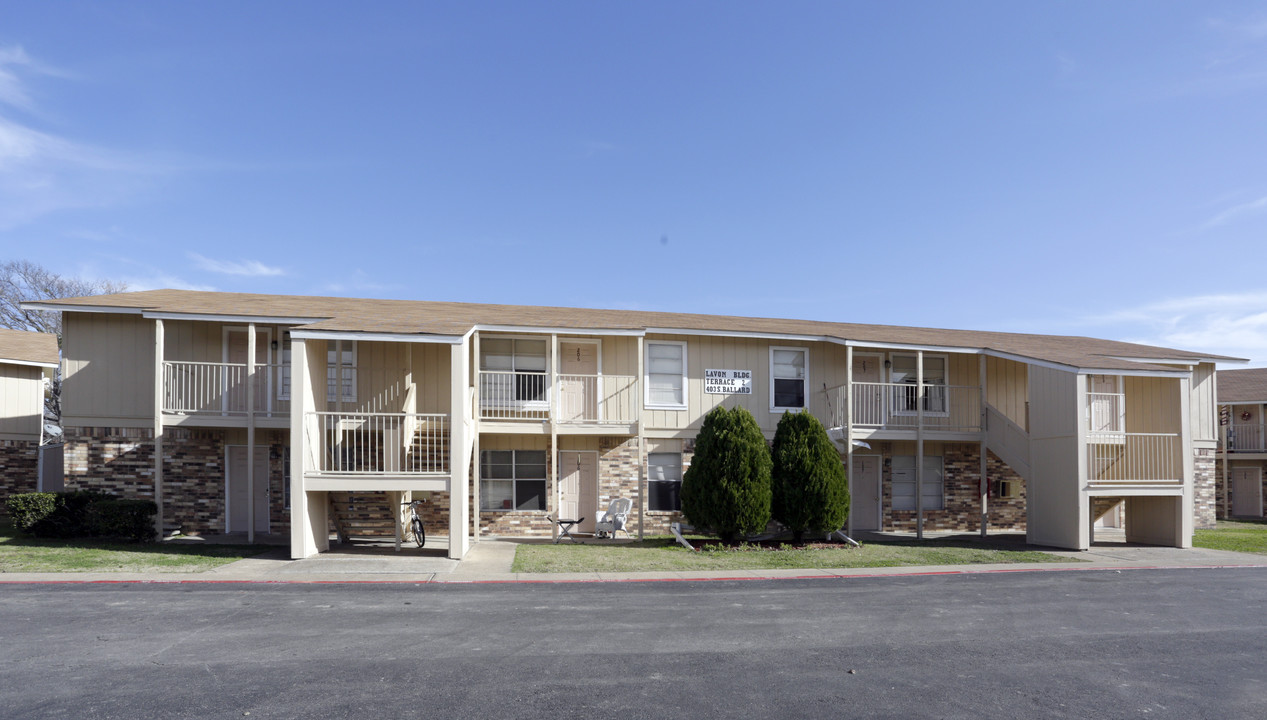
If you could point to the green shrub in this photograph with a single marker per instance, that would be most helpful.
(82, 513)
(809, 489)
(29, 509)
(121, 517)
(727, 487)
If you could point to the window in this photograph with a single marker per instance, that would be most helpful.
(664, 475)
(666, 375)
(341, 351)
(904, 482)
(515, 371)
(513, 480)
(787, 378)
(348, 350)
(904, 373)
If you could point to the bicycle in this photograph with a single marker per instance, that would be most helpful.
(415, 523)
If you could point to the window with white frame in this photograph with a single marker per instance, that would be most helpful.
(904, 372)
(788, 378)
(341, 353)
(666, 375)
(346, 348)
(515, 371)
(512, 480)
(904, 485)
(664, 476)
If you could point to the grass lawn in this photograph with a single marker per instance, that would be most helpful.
(19, 553)
(663, 553)
(1242, 535)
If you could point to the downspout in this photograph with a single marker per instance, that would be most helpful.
(985, 482)
(250, 432)
(919, 444)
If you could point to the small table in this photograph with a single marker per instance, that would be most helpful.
(565, 528)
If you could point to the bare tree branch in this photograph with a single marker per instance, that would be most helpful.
(23, 280)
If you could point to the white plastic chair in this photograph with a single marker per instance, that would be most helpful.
(615, 519)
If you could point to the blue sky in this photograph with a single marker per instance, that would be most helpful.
(1073, 168)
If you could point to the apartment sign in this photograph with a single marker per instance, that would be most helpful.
(728, 382)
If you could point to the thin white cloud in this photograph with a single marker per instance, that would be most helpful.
(1236, 211)
(246, 268)
(1233, 324)
(41, 172)
(359, 281)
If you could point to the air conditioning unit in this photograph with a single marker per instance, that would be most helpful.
(1004, 489)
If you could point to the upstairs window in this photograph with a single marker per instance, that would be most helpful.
(515, 370)
(905, 399)
(341, 385)
(666, 375)
(788, 378)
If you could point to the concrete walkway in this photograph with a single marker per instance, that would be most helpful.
(490, 560)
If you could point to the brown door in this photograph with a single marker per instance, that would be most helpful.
(578, 487)
(235, 375)
(236, 492)
(578, 382)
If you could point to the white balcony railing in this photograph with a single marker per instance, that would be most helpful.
(1106, 412)
(895, 406)
(1117, 458)
(204, 388)
(1246, 438)
(597, 399)
(380, 443)
(505, 395)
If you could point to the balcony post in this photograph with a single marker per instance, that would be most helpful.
(848, 420)
(158, 426)
(1187, 522)
(638, 391)
(250, 432)
(985, 486)
(919, 444)
(459, 458)
(552, 397)
(475, 436)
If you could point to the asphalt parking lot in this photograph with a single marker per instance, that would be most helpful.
(1183, 643)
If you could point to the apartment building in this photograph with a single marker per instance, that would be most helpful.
(26, 360)
(1242, 456)
(260, 413)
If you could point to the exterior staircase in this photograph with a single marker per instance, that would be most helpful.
(1101, 505)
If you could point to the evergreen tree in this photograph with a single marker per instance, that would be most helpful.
(809, 489)
(727, 487)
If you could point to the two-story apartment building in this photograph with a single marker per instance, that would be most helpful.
(26, 360)
(256, 413)
(1242, 457)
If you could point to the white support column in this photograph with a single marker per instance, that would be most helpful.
(158, 426)
(459, 457)
(250, 432)
(302, 542)
(553, 395)
(985, 482)
(639, 390)
(475, 439)
(1186, 521)
(919, 444)
(848, 420)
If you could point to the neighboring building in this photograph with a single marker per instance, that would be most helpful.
(26, 360)
(529, 411)
(1242, 458)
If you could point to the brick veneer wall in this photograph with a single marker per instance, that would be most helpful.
(19, 468)
(962, 506)
(1204, 498)
(121, 461)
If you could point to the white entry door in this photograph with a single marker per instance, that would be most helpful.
(865, 503)
(1247, 492)
(578, 487)
(235, 490)
(578, 382)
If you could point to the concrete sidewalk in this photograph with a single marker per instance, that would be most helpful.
(490, 560)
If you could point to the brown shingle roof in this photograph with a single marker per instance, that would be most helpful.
(28, 347)
(412, 317)
(1249, 385)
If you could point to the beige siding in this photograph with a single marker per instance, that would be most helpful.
(21, 402)
(1152, 405)
(1202, 406)
(1007, 389)
(109, 367)
(1053, 494)
(826, 367)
